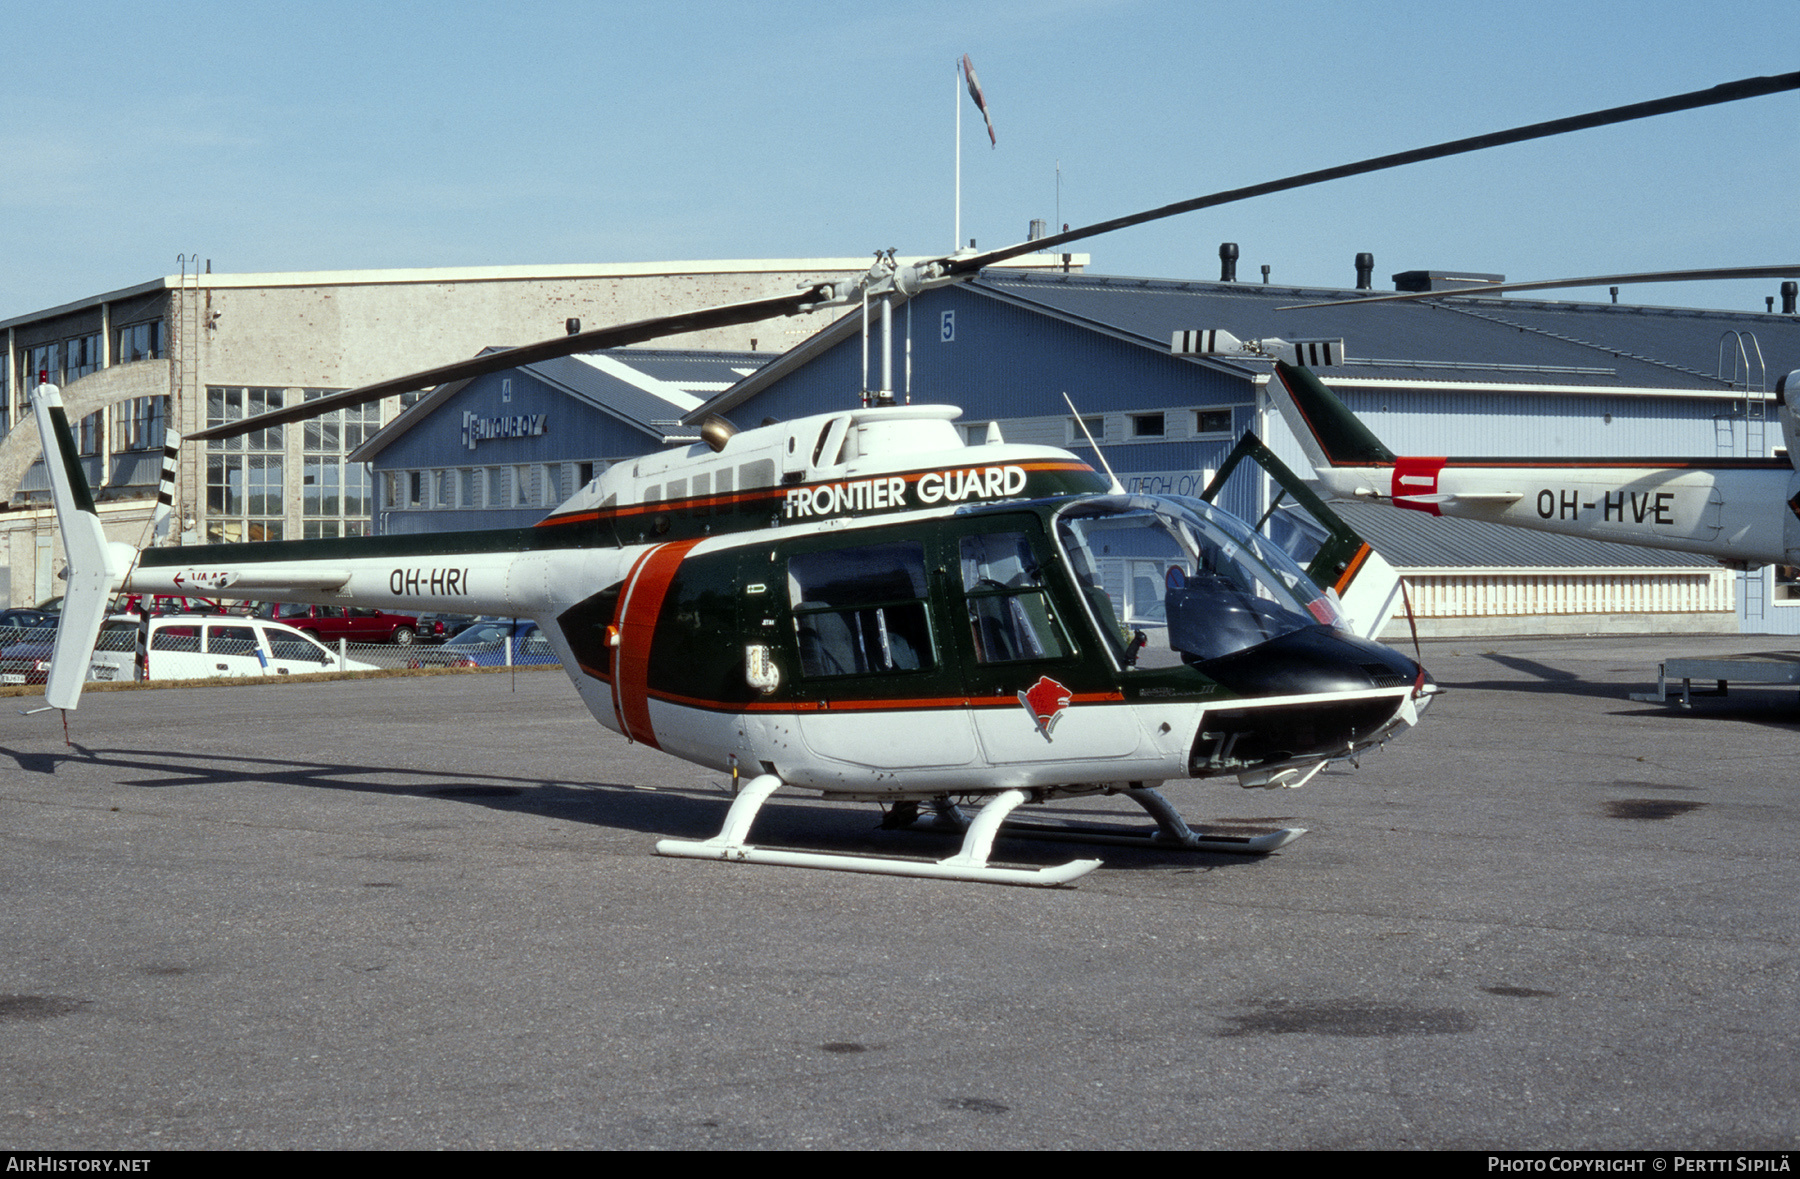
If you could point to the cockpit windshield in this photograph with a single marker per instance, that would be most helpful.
(1196, 581)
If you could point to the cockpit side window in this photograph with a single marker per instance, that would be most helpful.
(861, 611)
(1009, 616)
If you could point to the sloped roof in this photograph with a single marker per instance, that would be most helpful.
(647, 388)
(1490, 340)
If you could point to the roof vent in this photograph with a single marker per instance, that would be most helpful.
(1228, 256)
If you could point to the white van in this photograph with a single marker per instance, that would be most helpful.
(201, 646)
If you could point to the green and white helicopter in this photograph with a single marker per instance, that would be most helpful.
(859, 603)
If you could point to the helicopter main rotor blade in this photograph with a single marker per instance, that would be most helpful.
(1727, 92)
(616, 336)
(1599, 280)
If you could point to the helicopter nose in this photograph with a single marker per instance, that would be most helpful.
(1325, 680)
(1310, 662)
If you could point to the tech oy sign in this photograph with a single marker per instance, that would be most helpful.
(476, 428)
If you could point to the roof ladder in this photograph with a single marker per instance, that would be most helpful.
(1750, 373)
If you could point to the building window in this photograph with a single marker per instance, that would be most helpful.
(243, 474)
(142, 422)
(89, 436)
(336, 493)
(1787, 583)
(43, 364)
(1146, 425)
(1212, 421)
(139, 341)
(1095, 425)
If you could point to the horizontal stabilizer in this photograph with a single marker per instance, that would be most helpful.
(1468, 497)
(259, 583)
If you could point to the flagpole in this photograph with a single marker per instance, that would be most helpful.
(956, 110)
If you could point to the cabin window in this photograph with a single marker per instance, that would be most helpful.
(860, 611)
(760, 473)
(1009, 617)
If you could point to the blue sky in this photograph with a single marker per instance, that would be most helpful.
(312, 136)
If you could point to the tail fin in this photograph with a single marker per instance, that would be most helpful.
(1328, 432)
(96, 570)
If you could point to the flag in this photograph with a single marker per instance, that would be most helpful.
(968, 68)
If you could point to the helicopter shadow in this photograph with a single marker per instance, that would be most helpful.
(651, 809)
(686, 812)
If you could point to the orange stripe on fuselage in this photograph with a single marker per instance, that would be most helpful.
(638, 608)
(873, 704)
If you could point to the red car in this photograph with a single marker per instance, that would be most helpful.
(331, 623)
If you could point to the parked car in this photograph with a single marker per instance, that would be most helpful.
(25, 652)
(331, 623)
(485, 644)
(435, 628)
(15, 622)
(166, 604)
(201, 646)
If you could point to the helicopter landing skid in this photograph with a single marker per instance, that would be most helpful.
(1172, 830)
(970, 863)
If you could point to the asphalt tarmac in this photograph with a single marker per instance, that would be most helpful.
(426, 913)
